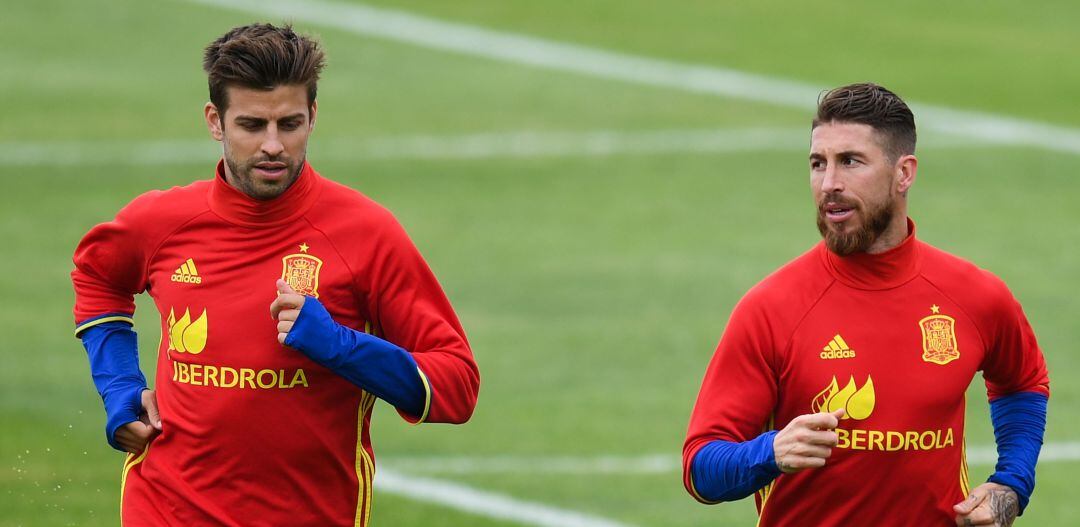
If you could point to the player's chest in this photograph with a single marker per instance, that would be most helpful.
(908, 350)
(229, 274)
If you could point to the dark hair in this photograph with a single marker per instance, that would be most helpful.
(262, 57)
(870, 104)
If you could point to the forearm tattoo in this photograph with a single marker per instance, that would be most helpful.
(1004, 506)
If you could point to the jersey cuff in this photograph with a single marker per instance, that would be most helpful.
(698, 496)
(101, 319)
(688, 478)
(427, 400)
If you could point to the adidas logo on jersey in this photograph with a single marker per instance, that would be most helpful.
(837, 349)
(187, 273)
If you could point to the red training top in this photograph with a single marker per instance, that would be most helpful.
(894, 339)
(255, 433)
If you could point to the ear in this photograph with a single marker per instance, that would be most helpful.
(213, 121)
(311, 118)
(906, 167)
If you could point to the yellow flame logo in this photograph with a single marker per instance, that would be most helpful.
(186, 335)
(858, 403)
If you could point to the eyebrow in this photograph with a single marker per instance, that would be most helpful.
(260, 120)
(845, 153)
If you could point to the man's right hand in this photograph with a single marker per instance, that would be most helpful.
(135, 435)
(807, 441)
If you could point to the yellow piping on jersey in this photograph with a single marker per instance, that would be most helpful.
(427, 397)
(699, 497)
(365, 467)
(102, 320)
(129, 463)
(766, 491)
(965, 481)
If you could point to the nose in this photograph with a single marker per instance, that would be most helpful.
(272, 146)
(831, 181)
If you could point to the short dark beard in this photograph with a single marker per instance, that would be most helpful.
(874, 224)
(245, 182)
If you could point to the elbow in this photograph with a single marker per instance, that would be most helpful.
(469, 393)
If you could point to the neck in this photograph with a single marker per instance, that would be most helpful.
(894, 234)
(863, 270)
(230, 178)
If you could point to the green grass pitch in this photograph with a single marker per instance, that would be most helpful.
(593, 288)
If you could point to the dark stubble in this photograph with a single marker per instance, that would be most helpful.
(876, 221)
(247, 183)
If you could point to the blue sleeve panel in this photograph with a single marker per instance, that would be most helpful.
(113, 350)
(379, 367)
(728, 471)
(1019, 421)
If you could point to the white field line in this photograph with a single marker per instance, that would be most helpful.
(648, 464)
(491, 145)
(521, 49)
(484, 503)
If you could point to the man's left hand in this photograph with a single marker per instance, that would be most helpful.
(286, 308)
(988, 504)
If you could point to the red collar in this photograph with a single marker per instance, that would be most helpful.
(239, 208)
(886, 270)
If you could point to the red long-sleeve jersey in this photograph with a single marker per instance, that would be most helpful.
(894, 339)
(254, 433)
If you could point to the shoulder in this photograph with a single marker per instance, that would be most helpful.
(139, 228)
(158, 208)
(358, 226)
(961, 279)
(152, 215)
(794, 287)
(343, 205)
(783, 298)
(980, 293)
(771, 311)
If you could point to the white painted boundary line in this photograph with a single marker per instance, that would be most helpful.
(484, 503)
(491, 145)
(520, 49)
(647, 464)
(498, 506)
(510, 144)
(569, 465)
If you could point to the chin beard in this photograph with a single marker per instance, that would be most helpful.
(242, 173)
(859, 240)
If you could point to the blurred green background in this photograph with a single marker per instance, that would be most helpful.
(593, 285)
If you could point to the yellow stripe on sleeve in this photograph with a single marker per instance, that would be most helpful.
(698, 496)
(427, 397)
(102, 320)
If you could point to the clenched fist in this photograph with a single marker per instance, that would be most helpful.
(286, 308)
(807, 441)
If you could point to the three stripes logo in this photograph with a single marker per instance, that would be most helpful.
(837, 349)
(187, 273)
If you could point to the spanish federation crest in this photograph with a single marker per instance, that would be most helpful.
(301, 271)
(939, 338)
